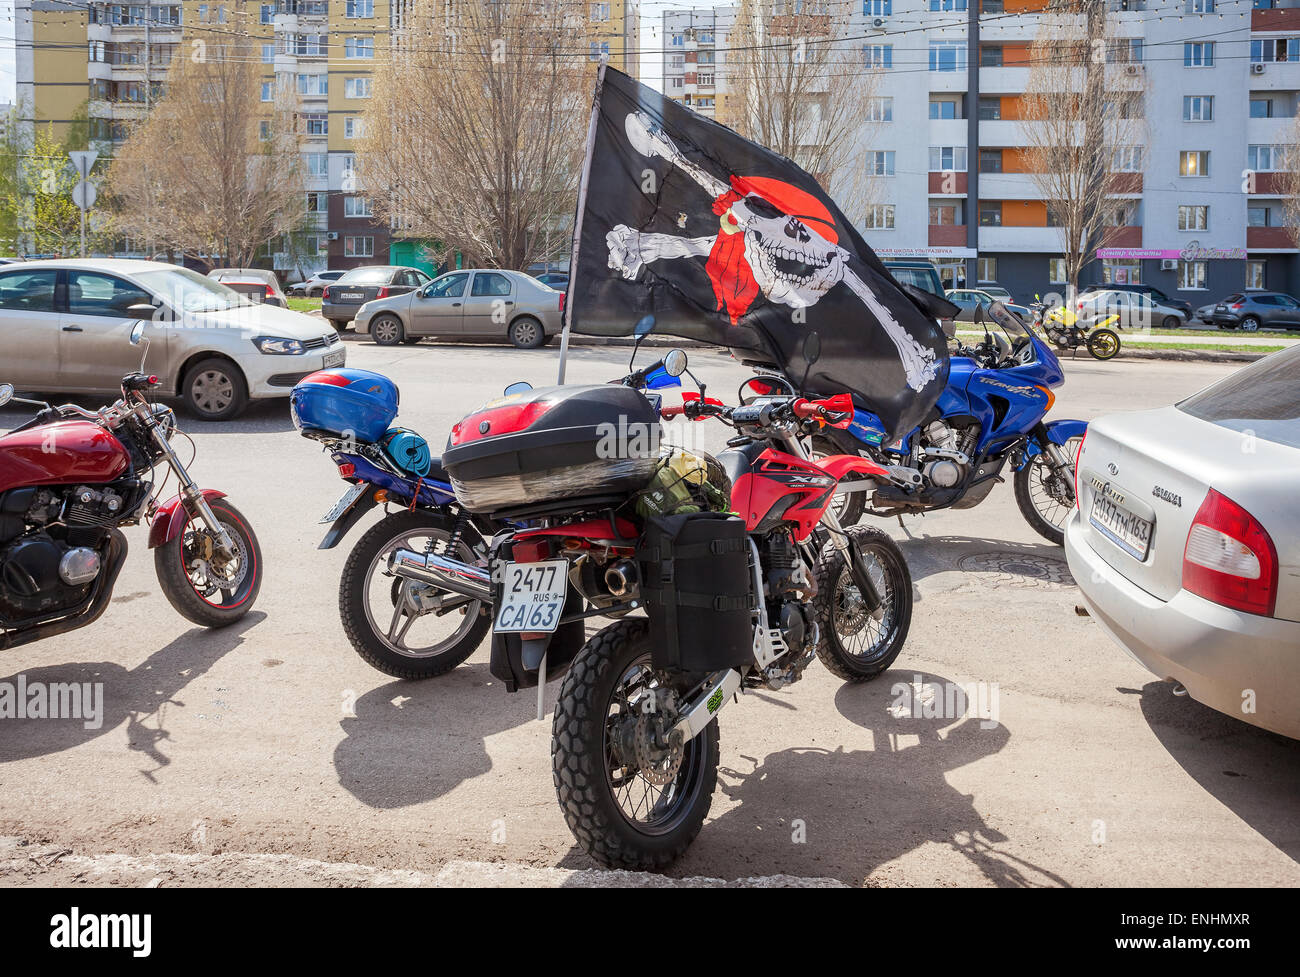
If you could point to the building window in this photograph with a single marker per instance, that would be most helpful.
(947, 158)
(1191, 274)
(878, 55)
(268, 91)
(945, 108)
(986, 269)
(356, 88)
(1193, 218)
(1200, 6)
(313, 84)
(947, 5)
(1056, 271)
(359, 8)
(952, 272)
(880, 110)
(877, 8)
(597, 49)
(264, 130)
(990, 55)
(947, 55)
(268, 13)
(1198, 108)
(1126, 159)
(990, 108)
(268, 54)
(600, 12)
(359, 47)
(880, 217)
(1199, 54)
(316, 124)
(317, 164)
(990, 213)
(1268, 49)
(1121, 271)
(353, 127)
(990, 161)
(1258, 215)
(317, 202)
(359, 246)
(1266, 159)
(1125, 50)
(945, 214)
(880, 162)
(1194, 162)
(356, 207)
(1255, 274)
(1261, 108)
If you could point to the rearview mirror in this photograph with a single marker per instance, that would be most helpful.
(675, 363)
(644, 327)
(812, 348)
(518, 387)
(6, 393)
(137, 331)
(977, 313)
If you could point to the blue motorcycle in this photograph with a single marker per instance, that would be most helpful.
(991, 414)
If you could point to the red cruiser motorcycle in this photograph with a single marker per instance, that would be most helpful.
(732, 601)
(69, 478)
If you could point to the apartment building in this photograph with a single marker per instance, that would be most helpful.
(107, 62)
(1201, 214)
(694, 46)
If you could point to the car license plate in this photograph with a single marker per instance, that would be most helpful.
(334, 359)
(352, 296)
(342, 505)
(1127, 530)
(532, 596)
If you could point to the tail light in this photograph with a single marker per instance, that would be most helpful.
(382, 293)
(562, 297)
(347, 469)
(325, 294)
(1229, 558)
(1077, 504)
(270, 292)
(1238, 306)
(499, 420)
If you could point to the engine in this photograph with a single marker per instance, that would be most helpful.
(945, 453)
(39, 573)
(789, 591)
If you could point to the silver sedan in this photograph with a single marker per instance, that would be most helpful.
(1186, 540)
(475, 303)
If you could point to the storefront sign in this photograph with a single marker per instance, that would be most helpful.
(925, 252)
(1191, 251)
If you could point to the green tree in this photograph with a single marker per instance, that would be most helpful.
(36, 196)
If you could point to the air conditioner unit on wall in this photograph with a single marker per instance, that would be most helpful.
(1256, 69)
(878, 23)
(1133, 70)
(1168, 264)
(333, 235)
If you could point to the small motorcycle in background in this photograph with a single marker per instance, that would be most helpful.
(71, 478)
(1067, 331)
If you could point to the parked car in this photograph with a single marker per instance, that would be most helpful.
(67, 323)
(341, 299)
(1249, 311)
(315, 285)
(998, 292)
(968, 298)
(478, 303)
(1136, 310)
(1187, 547)
(921, 274)
(1185, 308)
(556, 279)
(258, 284)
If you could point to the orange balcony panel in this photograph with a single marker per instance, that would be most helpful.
(1268, 237)
(953, 181)
(947, 235)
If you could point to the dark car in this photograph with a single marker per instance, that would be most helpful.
(1158, 296)
(341, 299)
(556, 279)
(1249, 311)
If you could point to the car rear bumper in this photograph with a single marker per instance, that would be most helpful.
(1223, 320)
(343, 313)
(1220, 655)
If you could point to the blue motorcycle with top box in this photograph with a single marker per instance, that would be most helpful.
(405, 626)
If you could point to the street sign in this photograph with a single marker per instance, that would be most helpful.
(83, 160)
(83, 195)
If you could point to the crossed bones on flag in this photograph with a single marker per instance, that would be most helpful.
(764, 243)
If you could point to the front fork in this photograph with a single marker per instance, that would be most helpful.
(195, 502)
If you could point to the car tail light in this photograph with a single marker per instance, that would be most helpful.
(1077, 504)
(382, 293)
(270, 292)
(325, 294)
(562, 297)
(1229, 558)
(499, 420)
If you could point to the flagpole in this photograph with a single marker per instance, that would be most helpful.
(577, 219)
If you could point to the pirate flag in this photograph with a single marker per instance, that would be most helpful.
(726, 242)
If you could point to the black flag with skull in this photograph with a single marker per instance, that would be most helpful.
(726, 242)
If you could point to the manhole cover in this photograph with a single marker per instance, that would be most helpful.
(1017, 569)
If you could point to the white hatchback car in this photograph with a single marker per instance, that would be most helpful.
(66, 326)
(1186, 540)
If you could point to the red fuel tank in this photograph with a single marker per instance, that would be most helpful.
(62, 453)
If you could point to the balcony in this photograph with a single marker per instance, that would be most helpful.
(1270, 21)
(947, 235)
(940, 187)
(1009, 186)
(948, 132)
(1037, 240)
(948, 81)
(1008, 81)
(1128, 236)
(1269, 239)
(1270, 185)
(1276, 76)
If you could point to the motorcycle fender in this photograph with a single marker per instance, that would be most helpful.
(840, 465)
(340, 526)
(171, 517)
(1058, 432)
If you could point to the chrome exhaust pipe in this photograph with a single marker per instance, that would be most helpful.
(622, 578)
(438, 571)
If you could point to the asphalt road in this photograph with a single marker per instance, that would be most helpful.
(269, 752)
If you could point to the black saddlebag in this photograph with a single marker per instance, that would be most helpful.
(697, 586)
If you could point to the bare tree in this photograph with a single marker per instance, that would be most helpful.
(1287, 182)
(1083, 126)
(213, 171)
(797, 84)
(477, 128)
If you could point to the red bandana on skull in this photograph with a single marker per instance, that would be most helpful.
(728, 268)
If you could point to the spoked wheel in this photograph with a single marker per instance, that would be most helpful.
(1103, 344)
(848, 509)
(207, 586)
(1045, 494)
(856, 644)
(634, 793)
(402, 627)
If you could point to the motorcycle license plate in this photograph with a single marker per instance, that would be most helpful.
(333, 359)
(343, 504)
(1127, 530)
(532, 596)
(352, 296)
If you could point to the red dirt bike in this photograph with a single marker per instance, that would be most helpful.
(733, 602)
(69, 478)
